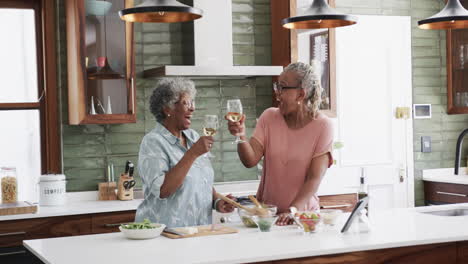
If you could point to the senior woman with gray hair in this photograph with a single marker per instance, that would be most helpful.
(177, 177)
(295, 140)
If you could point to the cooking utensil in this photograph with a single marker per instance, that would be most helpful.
(259, 208)
(292, 213)
(112, 172)
(172, 231)
(128, 184)
(127, 166)
(130, 170)
(254, 211)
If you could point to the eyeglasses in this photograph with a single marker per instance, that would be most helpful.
(279, 88)
(187, 103)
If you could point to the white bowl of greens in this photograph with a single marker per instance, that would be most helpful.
(143, 230)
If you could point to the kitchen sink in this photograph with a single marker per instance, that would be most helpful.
(450, 212)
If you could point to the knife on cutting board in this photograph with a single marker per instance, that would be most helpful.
(173, 231)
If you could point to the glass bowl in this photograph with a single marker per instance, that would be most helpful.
(310, 225)
(309, 220)
(265, 223)
(246, 217)
(330, 216)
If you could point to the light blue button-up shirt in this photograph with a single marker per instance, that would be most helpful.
(191, 204)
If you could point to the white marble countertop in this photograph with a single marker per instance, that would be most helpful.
(392, 228)
(446, 175)
(77, 208)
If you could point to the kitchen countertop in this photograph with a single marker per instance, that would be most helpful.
(446, 175)
(392, 228)
(77, 208)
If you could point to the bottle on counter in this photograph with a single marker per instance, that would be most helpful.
(363, 191)
(9, 184)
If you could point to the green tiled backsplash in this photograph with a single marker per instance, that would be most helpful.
(87, 149)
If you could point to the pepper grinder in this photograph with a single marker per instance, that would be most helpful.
(126, 183)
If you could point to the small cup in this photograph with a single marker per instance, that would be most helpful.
(264, 223)
(330, 216)
(101, 61)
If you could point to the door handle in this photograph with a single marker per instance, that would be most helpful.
(13, 253)
(13, 234)
(334, 206)
(452, 194)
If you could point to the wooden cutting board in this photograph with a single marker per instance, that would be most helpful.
(17, 208)
(203, 231)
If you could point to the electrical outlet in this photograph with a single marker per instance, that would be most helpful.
(426, 145)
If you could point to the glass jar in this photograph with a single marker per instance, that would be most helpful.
(9, 184)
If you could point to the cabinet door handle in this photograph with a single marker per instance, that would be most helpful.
(334, 206)
(114, 225)
(13, 253)
(452, 194)
(13, 234)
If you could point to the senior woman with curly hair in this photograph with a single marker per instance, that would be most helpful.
(177, 177)
(295, 140)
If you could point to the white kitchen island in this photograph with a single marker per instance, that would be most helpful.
(391, 229)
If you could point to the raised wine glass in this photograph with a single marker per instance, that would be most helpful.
(234, 114)
(210, 127)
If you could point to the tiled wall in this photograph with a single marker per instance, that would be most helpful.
(429, 82)
(88, 149)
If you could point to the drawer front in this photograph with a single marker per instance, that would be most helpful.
(12, 239)
(109, 222)
(445, 192)
(345, 202)
(12, 233)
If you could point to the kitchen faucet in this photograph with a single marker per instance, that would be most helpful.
(458, 150)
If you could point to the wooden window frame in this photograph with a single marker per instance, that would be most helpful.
(284, 46)
(47, 81)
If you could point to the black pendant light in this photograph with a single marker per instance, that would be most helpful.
(319, 15)
(160, 11)
(453, 16)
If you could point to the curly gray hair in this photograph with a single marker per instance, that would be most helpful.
(310, 82)
(167, 92)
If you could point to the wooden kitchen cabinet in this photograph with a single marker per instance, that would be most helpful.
(13, 232)
(447, 253)
(443, 193)
(457, 69)
(101, 63)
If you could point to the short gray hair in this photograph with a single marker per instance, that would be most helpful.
(167, 92)
(310, 82)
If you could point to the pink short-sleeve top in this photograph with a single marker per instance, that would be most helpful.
(287, 156)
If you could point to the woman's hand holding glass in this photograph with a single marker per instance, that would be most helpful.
(202, 146)
(235, 116)
(210, 127)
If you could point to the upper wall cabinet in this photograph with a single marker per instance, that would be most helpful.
(457, 69)
(101, 87)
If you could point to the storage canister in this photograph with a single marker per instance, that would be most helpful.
(52, 189)
(9, 185)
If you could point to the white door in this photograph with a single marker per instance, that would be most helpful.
(373, 72)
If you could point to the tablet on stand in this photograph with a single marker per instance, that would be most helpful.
(356, 213)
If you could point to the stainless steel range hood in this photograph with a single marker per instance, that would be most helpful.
(213, 47)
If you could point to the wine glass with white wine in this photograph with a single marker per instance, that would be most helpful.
(234, 114)
(210, 127)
